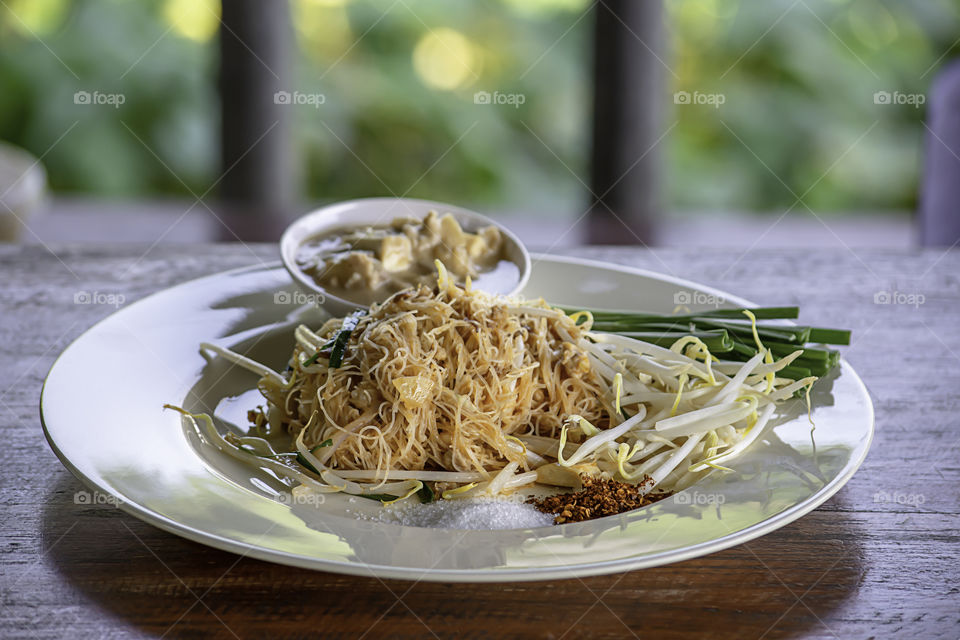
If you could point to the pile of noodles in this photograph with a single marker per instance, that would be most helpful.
(480, 393)
(437, 380)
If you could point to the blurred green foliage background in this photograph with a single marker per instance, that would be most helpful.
(798, 79)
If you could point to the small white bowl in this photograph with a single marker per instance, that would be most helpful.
(381, 211)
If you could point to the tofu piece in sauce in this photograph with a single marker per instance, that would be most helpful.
(396, 253)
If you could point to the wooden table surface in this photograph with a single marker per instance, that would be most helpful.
(880, 559)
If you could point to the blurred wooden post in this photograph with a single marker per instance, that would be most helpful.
(628, 89)
(940, 196)
(257, 191)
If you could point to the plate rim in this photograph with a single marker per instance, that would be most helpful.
(483, 575)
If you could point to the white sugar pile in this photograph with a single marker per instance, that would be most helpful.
(468, 514)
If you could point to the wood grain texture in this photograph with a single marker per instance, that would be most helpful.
(880, 559)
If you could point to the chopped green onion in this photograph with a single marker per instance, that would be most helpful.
(829, 336)
(306, 463)
(379, 497)
(777, 333)
(717, 340)
(793, 372)
(761, 313)
(725, 332)
(326, 443)
(425, 494)
(340, 342)
(322, 350)
(781, 349)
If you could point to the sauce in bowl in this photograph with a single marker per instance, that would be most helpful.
(368, 264)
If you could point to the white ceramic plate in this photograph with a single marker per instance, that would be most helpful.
(102, 411)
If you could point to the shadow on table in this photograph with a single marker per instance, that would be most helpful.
(784, 584)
